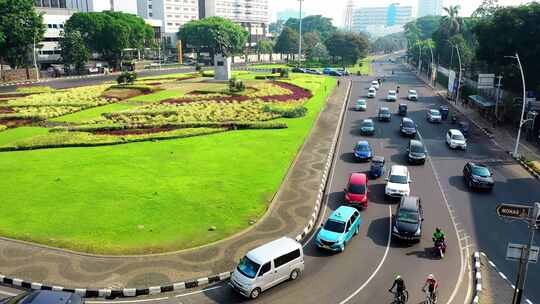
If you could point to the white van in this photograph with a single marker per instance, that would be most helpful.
(267, 266)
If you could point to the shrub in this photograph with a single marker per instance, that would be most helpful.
(286, 111)
(284, 73)
(2, 128)
(198, 67)
(207, 74)
(126, 78)
(236, 86)
(141, 87)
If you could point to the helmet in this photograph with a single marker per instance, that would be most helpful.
(431, 277)
(398, 277)
(438, 229)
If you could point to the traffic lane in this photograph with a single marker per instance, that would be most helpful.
(476, 210)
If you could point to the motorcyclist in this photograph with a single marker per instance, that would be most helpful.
(399, 284)
(439, 238)
(431, 285)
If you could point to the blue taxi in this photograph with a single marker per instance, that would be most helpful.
(339, 228)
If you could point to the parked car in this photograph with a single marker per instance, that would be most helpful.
(44, 297)
(434, 115)
(408, 220)
(335, 73)
(360, 105)
(392, 96)
(455, 139)
(339, 228)
(372, 92)
(313, 72)
(407, 127)
(344, 72)
(327, 71)
(377, 167)
(375, 84)
(298, 70)
(384, 114)
(416, 152)
(356, 193)
(267, 266)
(367, 127)
(478, 176)
(362, 151)
(397, 182)
(402, 109)
(413, 96)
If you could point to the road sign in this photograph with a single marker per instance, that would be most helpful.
(486, 81)
(513, 211)
(514, 252)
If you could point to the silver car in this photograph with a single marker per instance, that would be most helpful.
(434, 115)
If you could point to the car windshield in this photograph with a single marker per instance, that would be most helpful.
(368, 124)
(248, 268)
(458, 137)
(360, 102)
(434, 112)
(334, 226)
(417, 149)
(398, 179)
(408, 124)
(391, 93)
(357, 189)
(412, 92)
(362, 148)
(371, 90)
(408, 217)
(384, 111)
(480, 171)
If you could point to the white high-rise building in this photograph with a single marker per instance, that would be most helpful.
(430, 8)
(379, 21)
(125, 6)
(172, 13)
(253, 15)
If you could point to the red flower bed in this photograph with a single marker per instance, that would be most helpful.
(13, 123)
(134, 131)
(6, 110)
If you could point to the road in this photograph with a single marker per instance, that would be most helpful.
(364, 272)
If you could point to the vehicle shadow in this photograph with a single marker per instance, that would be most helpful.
(349, 158)
(378, 231)
(458, 182)
(427, 253)
(335, 200)
(376, 194)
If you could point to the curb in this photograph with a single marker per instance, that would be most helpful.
(134, 292)
(477, 278)
(525, 166)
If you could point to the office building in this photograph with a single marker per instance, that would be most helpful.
(376, 20)
(126, 6)
(253, 15)
(430, 8)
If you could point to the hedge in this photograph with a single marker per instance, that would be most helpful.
(287, 112)
(141, 87)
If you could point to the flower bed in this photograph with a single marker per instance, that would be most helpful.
(6, 110)
(298, 93)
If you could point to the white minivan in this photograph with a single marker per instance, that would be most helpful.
(267, 266)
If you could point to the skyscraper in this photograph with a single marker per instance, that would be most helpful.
(173, 14)
(429, 8)
(347, 24)
(379, 21)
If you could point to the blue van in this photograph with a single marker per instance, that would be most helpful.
(339, 228)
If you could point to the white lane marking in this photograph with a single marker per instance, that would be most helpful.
(197, 292)
(502, 275)
(9, 294)
(380, 263)
(528, 301)
(128, 301)
(452, 218)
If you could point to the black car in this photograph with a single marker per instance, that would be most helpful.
(478, 176)
(407, 127)
(416, 153)
(44, 297)
(298, 70)
(408, 220)
(384, 114)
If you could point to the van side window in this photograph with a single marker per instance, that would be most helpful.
(264, 269)
(286, 258)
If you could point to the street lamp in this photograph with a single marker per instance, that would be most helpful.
(419, 58)
(521, 122)
(460, 70)
(35, 58)
(300, 37)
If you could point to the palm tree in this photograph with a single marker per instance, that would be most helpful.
(452, 23)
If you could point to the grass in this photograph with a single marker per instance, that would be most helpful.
(12, 135)
(93, 113)
(365, 69)
(150, 196)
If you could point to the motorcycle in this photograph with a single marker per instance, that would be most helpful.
(439, 248)
(454, 119)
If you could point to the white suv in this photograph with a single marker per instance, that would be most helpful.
(455, 139)
(372, 92)
(412, 95)
(375, 84)
(397, 182)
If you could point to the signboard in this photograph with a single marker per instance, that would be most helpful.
(451, 81)
(513, 211)
(514, 252)
(486, 81)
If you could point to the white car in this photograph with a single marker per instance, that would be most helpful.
(375, 84)
(361, 105)
(412, 95)
(397, 182)
(434, 115)
(372, 92)
(455, 139)
(392, 95)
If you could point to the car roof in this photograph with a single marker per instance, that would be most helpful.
(455, 132)
(408, 203)
(52, 297)
(398, 170)
(368, 120)
(342, 214)
(404, 119)
(377, 159)
(362, 143)
(391, 91)
(361, 100)
(375, 81)
(384, 109)
(273, 249)
(478, 165)
(358, 178)
(434, 110)
(372, 88)
(415, 142)
(412, 91)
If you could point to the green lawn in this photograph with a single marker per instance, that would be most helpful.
(12, 135)
(93, 113)
(150, 196)
(364, 69)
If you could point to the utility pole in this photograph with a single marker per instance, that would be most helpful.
(300, 37)
(419, 59)
(460, 72)
(35, 59)
(498, 98)
(524, 103)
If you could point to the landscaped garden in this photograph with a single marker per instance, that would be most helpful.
(164, 164)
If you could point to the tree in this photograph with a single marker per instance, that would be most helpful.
(265, 47)
(21, 25)
(486, 9)
(316, 24)
(73, 50)
(275, 28)
(309, 41)
(287, 42)
(214, 34)
(347, 47)
(109, 33)
(390, 43)
(318, 52)
(451, 23)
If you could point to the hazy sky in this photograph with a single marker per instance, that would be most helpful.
(335, 8)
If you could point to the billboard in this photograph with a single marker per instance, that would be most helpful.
(486, 81)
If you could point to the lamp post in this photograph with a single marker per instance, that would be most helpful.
(460, 69)
(35, 58)
(419, 58)
(432, 79)
(300, 37)
(521, 122)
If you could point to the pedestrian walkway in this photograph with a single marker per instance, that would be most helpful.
(505, 136)
(289, 213)
(496, 287)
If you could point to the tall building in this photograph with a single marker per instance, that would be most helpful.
(347, 23)
(430, 8)
(55, 15)
(288, 14)
(126, 6)
(172, 13)
(253, 15)
(378, 21)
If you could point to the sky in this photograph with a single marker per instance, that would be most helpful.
(335, 8)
